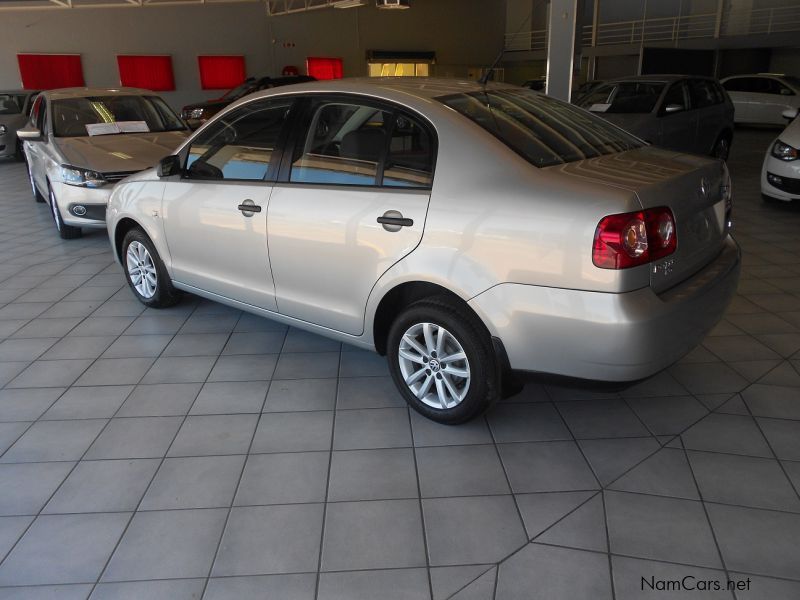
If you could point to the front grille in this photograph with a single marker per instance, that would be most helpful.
(787, 184)
(119, 175)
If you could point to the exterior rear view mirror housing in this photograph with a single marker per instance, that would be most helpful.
(30, 134)
(673, 108)
(168, 166)
(790, 113)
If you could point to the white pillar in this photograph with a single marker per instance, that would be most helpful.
(561, 32)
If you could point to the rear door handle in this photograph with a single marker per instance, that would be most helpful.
(393, 220)
(249, 208)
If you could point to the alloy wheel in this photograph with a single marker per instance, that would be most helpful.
(434, 365)
(141, 269)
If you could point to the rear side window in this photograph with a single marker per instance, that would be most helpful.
(741, 84)
(350, 143)
(701, 93)
(541, 129)
(240, 145)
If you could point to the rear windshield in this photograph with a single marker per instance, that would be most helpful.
(541, 129)
(624, 97)
(11, 104)
(104, 115)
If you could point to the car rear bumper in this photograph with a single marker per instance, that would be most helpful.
(72, 198)
(605, 336)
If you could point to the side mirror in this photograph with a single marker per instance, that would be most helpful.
(790, 113)
(673, 108)
(168, 166)
(29, 133)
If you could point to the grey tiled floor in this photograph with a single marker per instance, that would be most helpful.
(197, 451)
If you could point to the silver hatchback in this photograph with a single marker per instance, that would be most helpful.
(466, 232)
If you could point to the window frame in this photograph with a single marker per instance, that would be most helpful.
(687, 100)
(278, 152)
(299, 131)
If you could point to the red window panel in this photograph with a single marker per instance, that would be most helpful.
(148, 72)
(324, 68)
(50, 71)
(221, 72)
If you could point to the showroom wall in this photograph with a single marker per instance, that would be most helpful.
(463, 33)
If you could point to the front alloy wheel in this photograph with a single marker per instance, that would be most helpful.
(141, 270)
(442, 360)
(434, 365)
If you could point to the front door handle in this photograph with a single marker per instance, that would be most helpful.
(249, 208)
(393, 220)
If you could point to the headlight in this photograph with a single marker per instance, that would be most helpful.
(82, 177)
(3, 129)
(193, 113)
(783, 151)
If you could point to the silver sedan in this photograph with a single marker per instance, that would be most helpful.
(469, 233)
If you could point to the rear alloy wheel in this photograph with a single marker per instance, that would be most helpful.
(67, 232)
(146, 274)
(442, 362)
(722, 148)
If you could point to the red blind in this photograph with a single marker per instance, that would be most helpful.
(324, 68)
(148, 72)
(50, 71)
(221, 72)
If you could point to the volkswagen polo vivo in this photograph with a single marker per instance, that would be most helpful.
(466, 232)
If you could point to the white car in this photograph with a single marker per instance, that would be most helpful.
(80, 142)
(780, 175)
(762, 98)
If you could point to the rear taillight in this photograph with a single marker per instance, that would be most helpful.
(633, 239)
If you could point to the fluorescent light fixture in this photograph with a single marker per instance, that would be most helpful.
(348, 3)
(393, 4)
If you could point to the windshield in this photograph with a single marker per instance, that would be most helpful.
(624, 97)
(11, 104)
(793, 81)
(104, 115)
(541, 129)
(239, 90)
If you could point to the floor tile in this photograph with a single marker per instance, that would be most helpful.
(180, 369)
(263, 342)
(637, 579)
(399, 584)
(284, 478)
(303, 341)
(141, 437)
(26, 404)
(361, 363)
(262, 540)
(98, 402)
(137, 346)
(184, 589)
(732, 434)
(527, 423)
(294, 432)
(601, 419)
(611, 458)
(368, 392)
(63, 549)
(431, 433)
(205, 435)
(300, 395)
(481, 529)
(50, 373)
(372, 428)
(307, 365)
(196, 344)
(460, 471)
(11, 530)
(167, 544)
(381, 474)
(373, 535)
(250, 367)
(160, 400)
(54, 440)
(28, 487)
(668, 415)
(231, 397)
(194, 482)
(546, 467)
(296, 587)
(115, 371)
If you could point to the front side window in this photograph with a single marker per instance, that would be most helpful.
(701, 93)
(105, 115)
(628, 97)
(11, 104)
(241, 144)
(675, 96)
(343, 145)
(541, 129)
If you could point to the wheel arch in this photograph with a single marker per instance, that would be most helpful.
(121, 229)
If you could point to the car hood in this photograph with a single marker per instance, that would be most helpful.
(791, 135)
(123, 153)
(219, 104)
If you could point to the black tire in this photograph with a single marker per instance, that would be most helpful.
(67, 232)
(36, 195)
(165, 294)
(458, 321)
(722, 147)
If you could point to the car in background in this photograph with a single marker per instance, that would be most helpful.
(585, 88)
(762, 98)
(80, 142)
(464, 230)
(197, 114)
(677, 112)
(780, 173)
(537, 85)
(14, 108)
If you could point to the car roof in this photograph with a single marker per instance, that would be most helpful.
(398, 88)
(83, 92)
(25, 92)
(666, 78)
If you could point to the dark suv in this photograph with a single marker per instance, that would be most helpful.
(678, 112)
(197, 114)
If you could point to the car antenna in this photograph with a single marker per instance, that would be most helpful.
(485, 79)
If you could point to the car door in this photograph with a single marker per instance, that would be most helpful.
(710, 113)
(743, 93)
(35, 149)
(351, 202)
(215, 212)
(678, 123)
